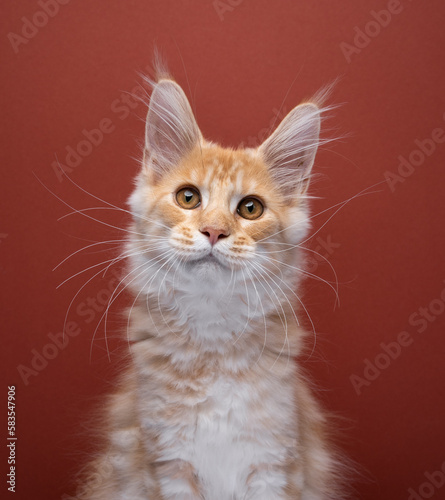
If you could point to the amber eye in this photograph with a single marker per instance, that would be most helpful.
(188, 197)
(250, 208)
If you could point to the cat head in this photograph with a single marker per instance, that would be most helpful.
(216, 211)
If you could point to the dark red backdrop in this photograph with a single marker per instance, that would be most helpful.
(69, 71)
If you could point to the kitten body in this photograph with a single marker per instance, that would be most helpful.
(213, 405)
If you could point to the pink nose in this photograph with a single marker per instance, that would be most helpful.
(214, 234)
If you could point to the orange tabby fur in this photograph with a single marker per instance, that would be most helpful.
(198, 399)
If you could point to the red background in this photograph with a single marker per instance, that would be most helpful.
(236, 70)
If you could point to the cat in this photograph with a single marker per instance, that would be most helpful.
(214, 404)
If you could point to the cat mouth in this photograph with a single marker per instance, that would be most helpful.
(210, 260)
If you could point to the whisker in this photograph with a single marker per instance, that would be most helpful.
(174, 277)
(151, 278)
(123, 255)
(85, 248)
(248, 312)
(304, 272)
(262, 310)
(283, 318)
(114, 296)
(80, 289)
(297, 297)
(85, 215)
(143, 250)
(160, 288)
(148, 307)
(100, 199)
(340, 205)
(74, 298)
(152, 221)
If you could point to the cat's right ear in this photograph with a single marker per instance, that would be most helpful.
(171, 130)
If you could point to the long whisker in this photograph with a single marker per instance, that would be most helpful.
(74, 298)
(110, 302)
(80, 289)
(160, 288)
(296, 296)
(334, 272)
(145, 248)
(304, 272)
(153, 221)
(283, 318)
(147, 304)
(174, 277)
(252, 280)
(114, 296)
(338, 209)
(85, 215)
(286, 336)
(340, 205)
(149, 280)
(104, 201)
(86, 248)
(125, 254)
(248, 312)
(229, 283)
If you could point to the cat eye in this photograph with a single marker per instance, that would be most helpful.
(188, 198)
(250, 208)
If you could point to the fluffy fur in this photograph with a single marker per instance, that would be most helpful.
(214, 405)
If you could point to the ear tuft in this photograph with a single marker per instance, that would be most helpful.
(290, 151)
(171, 129)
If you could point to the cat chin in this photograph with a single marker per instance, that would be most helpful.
(208, 268)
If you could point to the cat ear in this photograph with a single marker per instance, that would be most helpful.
(290, 151)
(171, 130)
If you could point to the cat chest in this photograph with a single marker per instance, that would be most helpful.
(223, 431)
(235, 430)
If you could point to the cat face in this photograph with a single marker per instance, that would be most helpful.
(215, 211)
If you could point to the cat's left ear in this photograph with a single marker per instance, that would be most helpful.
(290, 151)
(171, 130)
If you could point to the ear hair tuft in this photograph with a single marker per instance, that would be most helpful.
(290, 150)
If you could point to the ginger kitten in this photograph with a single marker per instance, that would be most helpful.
(214, 405)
